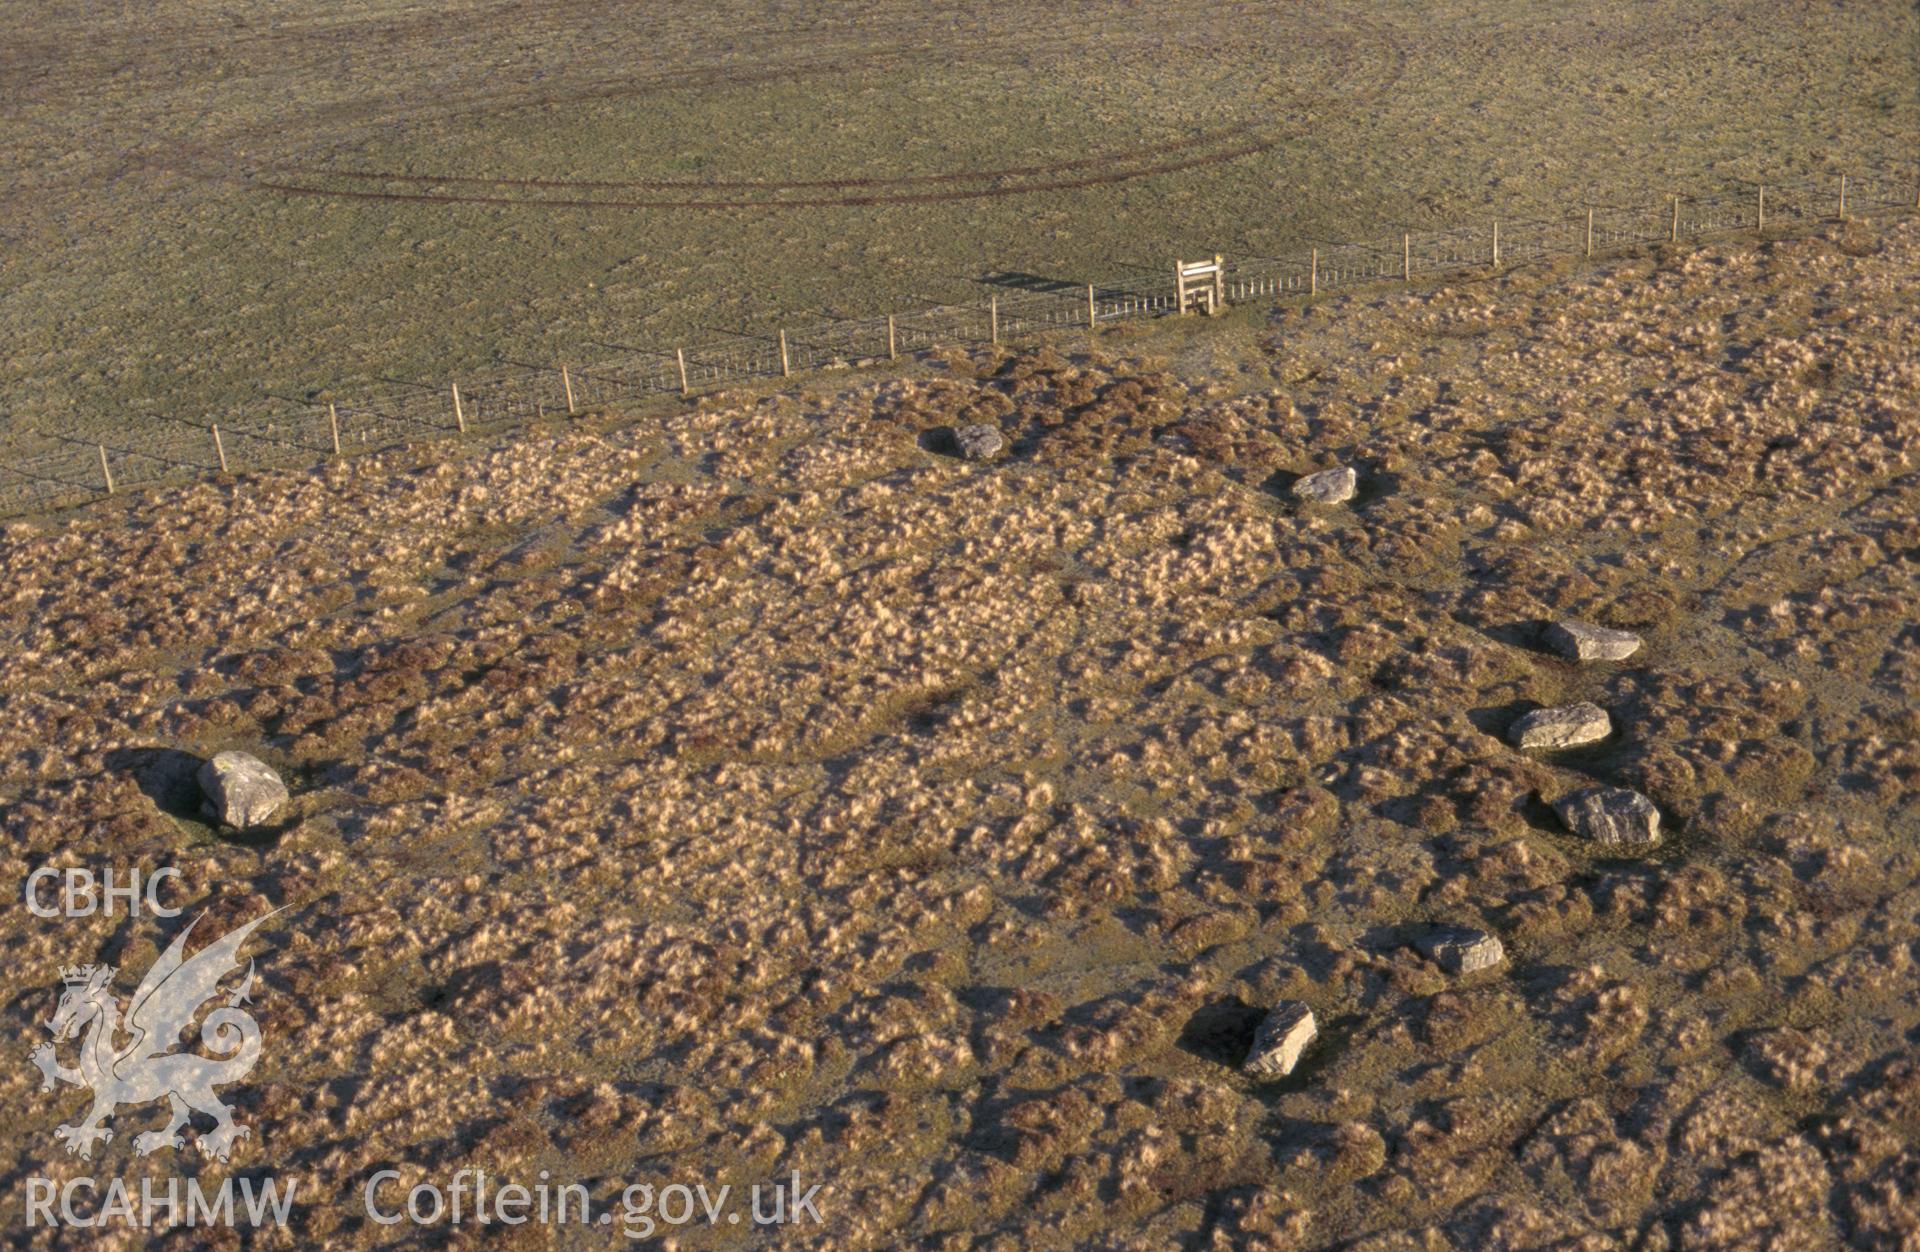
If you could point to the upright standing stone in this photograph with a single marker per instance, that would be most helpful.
(1461, 949)
(1282, 1037)
(978, 443)
(241, 790)
(1612, 816)
(1567, 727)
(1583, 641)
(1334, 486)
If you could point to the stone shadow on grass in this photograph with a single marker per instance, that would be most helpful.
(1221, 1031)
(1496, 719)
(941, 441)
(166, 776)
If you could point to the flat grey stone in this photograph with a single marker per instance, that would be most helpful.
(241, 790)
(1282, 1037)
(1565, 727)
(978, 443)
(1612, 816)
(1461, 949)
(1333, 486)
(1583, 641)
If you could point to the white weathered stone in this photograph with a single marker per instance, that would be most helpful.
(1565, 727)
(978, 443)
(1583, 641)
(1282, 1037)
(1462, 949)
(1332, 486)
(241, 790)
(1612, 816)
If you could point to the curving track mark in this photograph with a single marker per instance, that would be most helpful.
(812, 46)
(691, 184)
(1242, 139)
(813, 202)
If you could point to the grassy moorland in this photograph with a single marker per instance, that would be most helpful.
(759, 789)
(204, 204)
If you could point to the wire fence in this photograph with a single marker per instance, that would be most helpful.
(65, 470)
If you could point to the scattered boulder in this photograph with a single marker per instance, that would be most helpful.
(1334, 486)
(1612, 816)
(1461, 949)
(978, 443)
(1565, 727)
(1282, 1037)
(1583, 641)
(242, 791)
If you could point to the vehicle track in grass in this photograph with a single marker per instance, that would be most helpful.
(1365, 62)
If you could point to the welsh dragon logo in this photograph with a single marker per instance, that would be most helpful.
(147, 1068)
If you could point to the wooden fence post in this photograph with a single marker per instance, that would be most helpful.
(333, 424)
(1496, 244)
(1762, 223)
(993, 318)
(786, 367)
(893, 344)
(1219, 283)
(1673, 233)
(680, 355)
(106, 471)
(1092, 317)
(459, 412)
(1589, 234)
(1406, 258)
(1313, 278)
(219, 447)
(566, 381)
(1843, 197)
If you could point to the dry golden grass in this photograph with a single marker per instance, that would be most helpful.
(763, 790)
